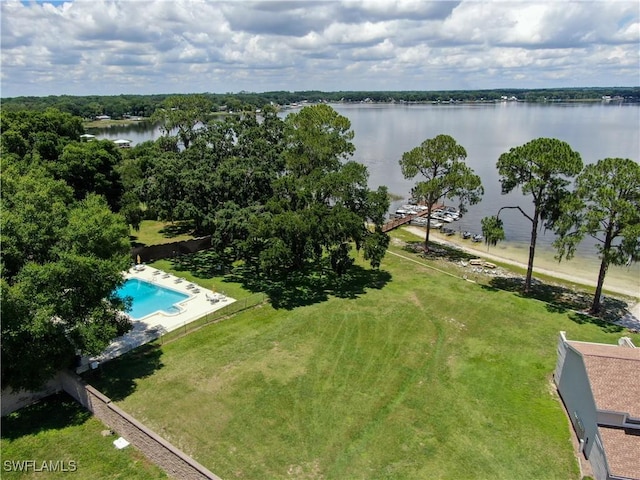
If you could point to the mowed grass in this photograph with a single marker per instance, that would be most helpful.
(63, 434)
(428, 377)
(153, 232)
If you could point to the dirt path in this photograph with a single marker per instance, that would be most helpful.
(628, 290)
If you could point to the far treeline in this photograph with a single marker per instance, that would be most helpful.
(120, 106)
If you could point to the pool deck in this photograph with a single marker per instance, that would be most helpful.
(200, 303)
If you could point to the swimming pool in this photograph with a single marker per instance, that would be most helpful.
(150, 298)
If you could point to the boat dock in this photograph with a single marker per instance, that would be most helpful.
(397, 222)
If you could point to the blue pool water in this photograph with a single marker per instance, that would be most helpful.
(149, 298)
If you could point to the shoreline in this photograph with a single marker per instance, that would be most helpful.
(518, 257)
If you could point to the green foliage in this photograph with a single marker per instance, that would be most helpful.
(440, 160)
(492, 230)
(375, 247)
(276, 194)
(183, 113)
(541, 168)
(91, 167)
(38, 135)
(61, 260)
(320, 202)
(605, 206)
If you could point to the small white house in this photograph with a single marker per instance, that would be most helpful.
(600, 387)
(87, 137)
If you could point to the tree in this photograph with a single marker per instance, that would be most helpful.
(61, 262)
(320, 204)
(541, 168)
(440, 161)
(91, 167)
(185, 114)
(492, 231)
(605, 206)
(38, 135)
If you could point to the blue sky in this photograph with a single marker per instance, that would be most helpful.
(110, 47)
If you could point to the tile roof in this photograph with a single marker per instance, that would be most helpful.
(614, 374)
(623, 451)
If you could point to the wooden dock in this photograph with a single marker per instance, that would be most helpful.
(397, 222)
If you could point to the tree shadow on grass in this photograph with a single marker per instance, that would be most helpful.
(133, 241)
(117, 379)
(306, 288)
(605, 325)
(562, 299)
(203, 264)
(176, 229)
(51, 413)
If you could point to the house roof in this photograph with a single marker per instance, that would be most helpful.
(614, 374)
(622, 447)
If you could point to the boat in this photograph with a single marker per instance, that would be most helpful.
(406, 210)
(466, 235)
(477, 238)
(438, 215)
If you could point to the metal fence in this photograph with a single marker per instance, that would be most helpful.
(213, 317)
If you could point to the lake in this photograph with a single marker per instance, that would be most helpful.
(383, 132)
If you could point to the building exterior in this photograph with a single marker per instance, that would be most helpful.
(600, 387)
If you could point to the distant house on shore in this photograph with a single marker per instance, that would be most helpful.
(103, 117)
(600, 387)
(122, 143)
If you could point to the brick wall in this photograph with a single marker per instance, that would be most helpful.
(173, 461)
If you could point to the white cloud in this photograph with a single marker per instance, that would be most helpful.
(146, 46)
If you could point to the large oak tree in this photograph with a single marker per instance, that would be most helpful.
(321, 202)
(61, 261)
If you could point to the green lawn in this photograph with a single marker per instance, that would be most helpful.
(153, 232)
(58, 429)
(419, 376)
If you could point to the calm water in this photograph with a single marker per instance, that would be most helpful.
(384, 132)
(149, 298)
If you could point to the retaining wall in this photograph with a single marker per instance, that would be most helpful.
(170, 250)
(172, 460)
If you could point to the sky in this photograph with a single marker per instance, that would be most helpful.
(112, 47)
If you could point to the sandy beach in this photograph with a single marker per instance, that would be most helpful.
(621, 280)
